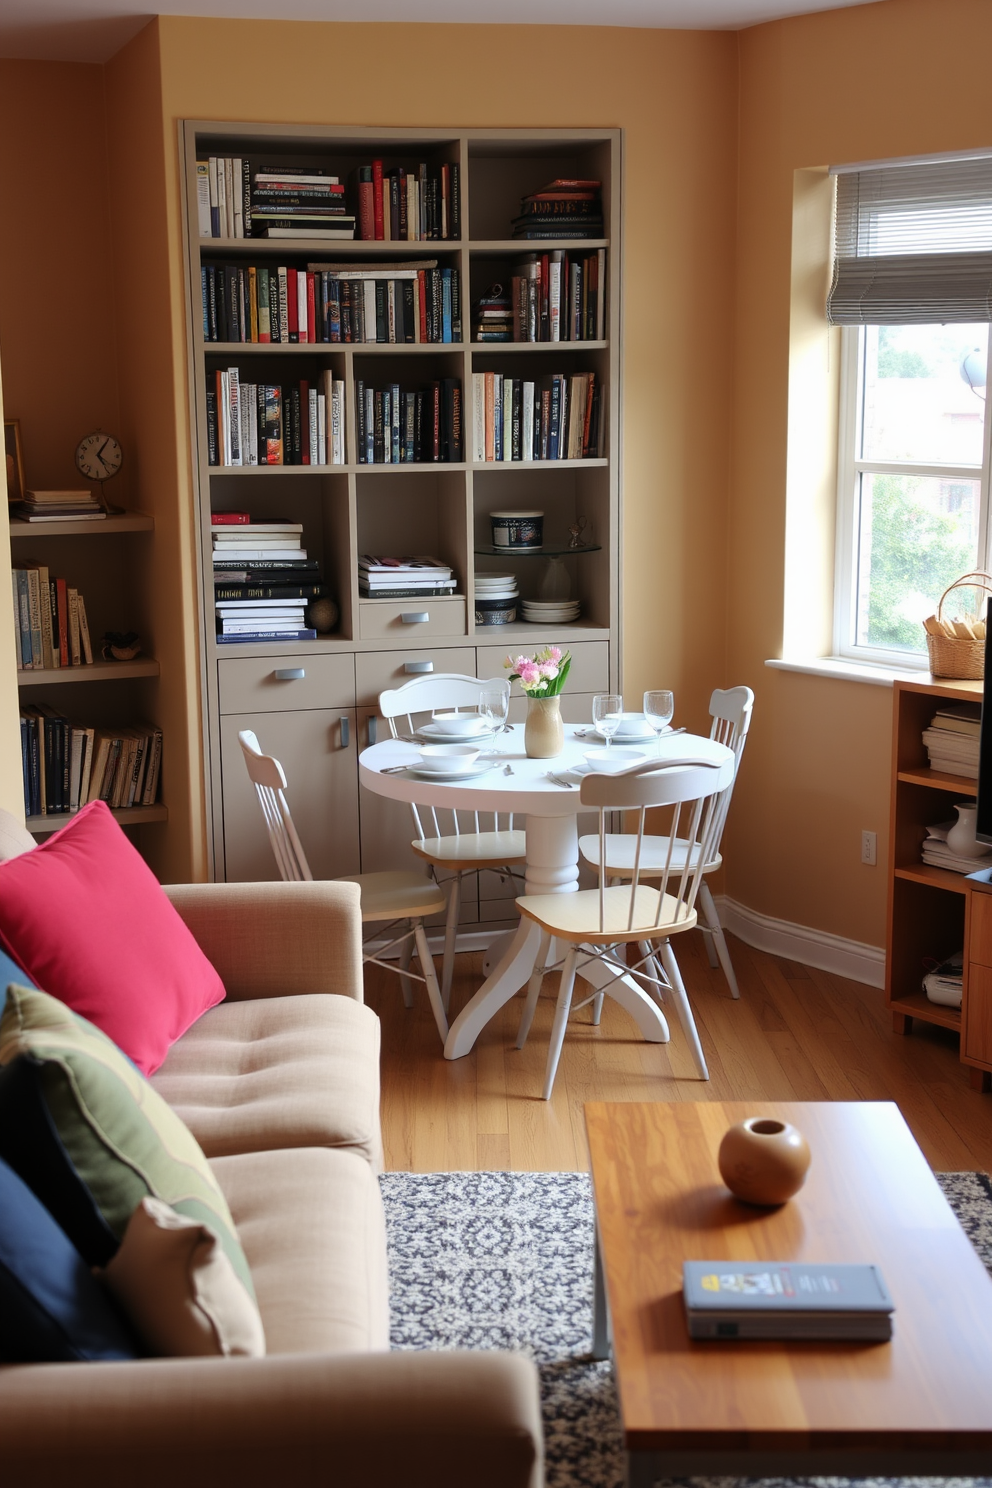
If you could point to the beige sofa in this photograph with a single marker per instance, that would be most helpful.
(280, 1084)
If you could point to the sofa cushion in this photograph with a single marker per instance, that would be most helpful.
(51, 1307)
(96, 1130)
(87, 919)
(278, 1072)
(14, 837)
(312, 1224)
(173, 1280)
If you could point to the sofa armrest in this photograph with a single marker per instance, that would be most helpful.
(276, 939)
(424, 1420)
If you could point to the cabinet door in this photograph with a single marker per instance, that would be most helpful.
(317, 749)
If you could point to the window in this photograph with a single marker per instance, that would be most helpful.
(912, 288)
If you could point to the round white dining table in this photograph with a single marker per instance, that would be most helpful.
(526, 788)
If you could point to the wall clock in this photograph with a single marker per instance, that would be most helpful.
(99, 456)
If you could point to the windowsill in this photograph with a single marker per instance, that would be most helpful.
(875, 674)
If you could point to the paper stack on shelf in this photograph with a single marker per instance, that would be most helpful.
(952, 739)
(936, 852)
(403, 578)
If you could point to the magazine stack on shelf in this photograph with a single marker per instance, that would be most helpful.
(562, 209)
(263, 580)
(404, 578)
(952, 739)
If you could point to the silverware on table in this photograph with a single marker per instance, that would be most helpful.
(557, 780)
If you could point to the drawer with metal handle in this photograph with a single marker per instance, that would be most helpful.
(377, 670)
(265, 684)
(379, 618)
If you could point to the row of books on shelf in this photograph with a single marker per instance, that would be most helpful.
(66, 765)
(554, 297)
(239, 199)
(559, 417)
(398, 427)
(564, 208)
(264, 424)
(262, 603)
(390, 303)
(381, 577)
(951, 740)
(51, 629)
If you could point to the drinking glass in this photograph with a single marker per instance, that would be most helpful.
(607, 708)
(658, 710)
(493, 706)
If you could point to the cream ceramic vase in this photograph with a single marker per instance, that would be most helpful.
(961, 838)
(763, 1160)
(544, 732)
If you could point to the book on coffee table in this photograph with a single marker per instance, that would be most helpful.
(780, 1299)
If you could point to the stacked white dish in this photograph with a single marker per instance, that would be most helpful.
(495, 599)
(550, 612)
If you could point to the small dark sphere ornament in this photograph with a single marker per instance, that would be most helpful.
(322, 616)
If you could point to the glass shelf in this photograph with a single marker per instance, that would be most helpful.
(545, 552)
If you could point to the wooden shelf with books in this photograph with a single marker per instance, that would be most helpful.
(99, 671)
(439, 217)
(115, 523)
(130, 816)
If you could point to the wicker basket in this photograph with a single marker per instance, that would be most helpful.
(954, 657)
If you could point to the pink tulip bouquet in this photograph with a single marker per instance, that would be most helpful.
(543, 674)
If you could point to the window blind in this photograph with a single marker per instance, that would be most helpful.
(913, 244)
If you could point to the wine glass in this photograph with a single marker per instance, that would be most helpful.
(658, 710)
(493, 706)
(607, 708)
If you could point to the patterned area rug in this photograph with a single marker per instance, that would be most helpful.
(504, 1261)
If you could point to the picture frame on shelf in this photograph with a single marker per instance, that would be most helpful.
(15, 460)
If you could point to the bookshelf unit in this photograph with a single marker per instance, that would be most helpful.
(104, 694)
(317, 724)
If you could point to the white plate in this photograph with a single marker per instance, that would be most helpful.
(550, 613)
(460, 728)
(481, 768)
(432, 735)
(548, 604)
(594, 733)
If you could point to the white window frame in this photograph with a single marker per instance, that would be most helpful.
(850, 467)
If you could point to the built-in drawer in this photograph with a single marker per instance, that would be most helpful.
(589, 672)
(377, 670)
(379, 619)
(980, 943)
(266, 684)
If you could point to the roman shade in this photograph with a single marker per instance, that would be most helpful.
(913, 243)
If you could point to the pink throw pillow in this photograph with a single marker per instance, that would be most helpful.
(89, 922)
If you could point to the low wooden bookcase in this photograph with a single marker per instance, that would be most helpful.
(932, 911)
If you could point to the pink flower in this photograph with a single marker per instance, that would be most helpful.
(554, 653)
(529, 674)
(549, 670)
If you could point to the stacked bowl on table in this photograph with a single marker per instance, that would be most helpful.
(495, 599)
(550, 612)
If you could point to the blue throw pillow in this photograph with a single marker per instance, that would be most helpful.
(52, 1310)
(11, 972)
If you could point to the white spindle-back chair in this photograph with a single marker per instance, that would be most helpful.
(395, 903)
(596, 922)
(453, 842)
(731, 713)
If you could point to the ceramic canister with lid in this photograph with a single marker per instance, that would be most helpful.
(523, 530)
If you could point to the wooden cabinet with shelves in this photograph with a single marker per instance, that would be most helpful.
(436, 507)
(96, 558)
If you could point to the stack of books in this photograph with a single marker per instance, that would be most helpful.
(265, 424)
(936, 852)
(952, 739)
(557, 296)
(556, 418)
(290, 201)
(66, 765)
(404, 578)
(223, 190)
(561, 209)
(396, 427)
(243, 550)
(397, 204)
(494, 318)
(58, 506)
(52, 630)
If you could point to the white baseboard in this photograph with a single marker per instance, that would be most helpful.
(848, 958)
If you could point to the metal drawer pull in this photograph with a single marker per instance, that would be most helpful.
(415, 617)
(415, 667)
(373, 728)
(345, 735)
(289, 674)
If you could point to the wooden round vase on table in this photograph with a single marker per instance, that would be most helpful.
(544, 732)
(763, 1160)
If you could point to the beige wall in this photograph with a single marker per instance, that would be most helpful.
(897, 78)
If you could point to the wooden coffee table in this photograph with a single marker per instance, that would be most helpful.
(921, 1404)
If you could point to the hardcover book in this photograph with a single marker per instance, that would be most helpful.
(785, 1299)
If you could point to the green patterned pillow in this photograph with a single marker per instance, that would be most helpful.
(122, 1141)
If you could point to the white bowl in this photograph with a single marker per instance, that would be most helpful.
(459, 725)
(610, 761)
(634, 726)
(448, 759)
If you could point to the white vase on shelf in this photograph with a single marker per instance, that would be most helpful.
(961, 838)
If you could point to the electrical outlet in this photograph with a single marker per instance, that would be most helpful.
(869, 848)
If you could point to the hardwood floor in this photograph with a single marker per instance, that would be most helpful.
(795, 1034)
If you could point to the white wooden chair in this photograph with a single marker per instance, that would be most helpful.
(596, 922)
(731, 714)
(392, 902)
(491, 840)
